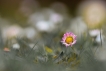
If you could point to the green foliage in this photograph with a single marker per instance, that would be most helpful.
(48, 54)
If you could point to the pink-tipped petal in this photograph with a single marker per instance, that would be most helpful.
(68, 34)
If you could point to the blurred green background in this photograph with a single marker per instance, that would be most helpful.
(31, 31)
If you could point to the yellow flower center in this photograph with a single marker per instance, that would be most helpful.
(69, 40)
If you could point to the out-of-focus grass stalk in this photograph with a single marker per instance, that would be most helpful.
(101, 36)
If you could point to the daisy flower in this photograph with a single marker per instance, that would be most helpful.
(68, 39)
